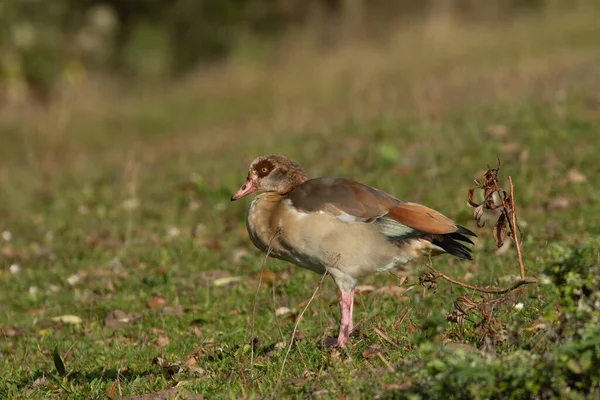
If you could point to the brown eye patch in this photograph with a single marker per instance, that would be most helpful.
(264, 168)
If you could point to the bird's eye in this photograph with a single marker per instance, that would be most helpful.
(264, 170)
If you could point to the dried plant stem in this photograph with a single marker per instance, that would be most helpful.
(477, 288)
(513, 226)
(287, 353)
(511, 216)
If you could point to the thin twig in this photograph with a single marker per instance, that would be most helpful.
(477, 288)
(513, 219)
(511, 216)
(295, 330)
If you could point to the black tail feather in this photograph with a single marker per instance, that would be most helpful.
(464, 231)
(451, 243)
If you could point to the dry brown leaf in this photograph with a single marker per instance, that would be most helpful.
(470, 202)
(196, 331)
(266, 276)
(574, 176)
(9, 331)
(156, 302)
(116, 319)
(371, 351)
(400, 319)
(499, 230)
(410, 327)
(112, 391)
(385, 337)
(364, 289)
(162, 341)
(190, 362)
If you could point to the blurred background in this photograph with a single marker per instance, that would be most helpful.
(87, 83)
(48, 46)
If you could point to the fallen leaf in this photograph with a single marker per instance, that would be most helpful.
(499, 230)
(116, 319)
(40, 381)
(190, 362)
(9, 331)
(371, 351)
(574, 176)
(279, 346)
(196, 331)
(156, 302)
(364, 289)
(112, 391)
(68, 319)
(282, 311)
(400, 319)
(385, 337)
(162, 341)
(265, 276)
(219, 282)
(410, 327)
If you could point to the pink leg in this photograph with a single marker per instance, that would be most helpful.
(346, 325)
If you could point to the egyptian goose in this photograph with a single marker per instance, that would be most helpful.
(340, 226)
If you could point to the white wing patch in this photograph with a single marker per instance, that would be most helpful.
(347, 218)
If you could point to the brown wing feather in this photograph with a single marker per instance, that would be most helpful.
(339, 195)
(422, 218)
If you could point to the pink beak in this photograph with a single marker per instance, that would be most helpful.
(245, 190)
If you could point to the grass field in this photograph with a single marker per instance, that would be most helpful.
(121, 251)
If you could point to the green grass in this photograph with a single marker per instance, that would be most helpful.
(134, 205)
